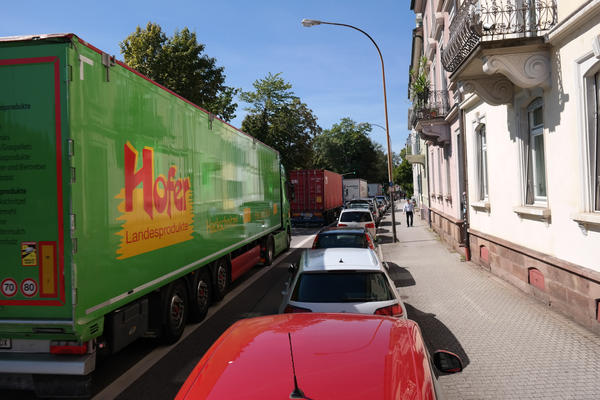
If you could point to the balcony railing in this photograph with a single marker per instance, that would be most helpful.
(487, 20)
(432, 105)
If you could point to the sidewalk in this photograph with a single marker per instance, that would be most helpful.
(512, 346)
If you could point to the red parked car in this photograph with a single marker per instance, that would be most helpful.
(318, 356)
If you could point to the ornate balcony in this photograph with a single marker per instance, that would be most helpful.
(479, 21)
(431, 105)
(428, 115)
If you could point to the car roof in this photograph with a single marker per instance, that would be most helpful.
(343, 356)
(334, 259)
(346, 210)
(342, 229)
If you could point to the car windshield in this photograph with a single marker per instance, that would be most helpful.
(342, 287)
(355, 216)
(328, 240)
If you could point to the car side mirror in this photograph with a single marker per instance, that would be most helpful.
(447, 362)
(292, 269)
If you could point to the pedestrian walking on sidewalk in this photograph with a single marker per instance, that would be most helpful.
(408, 209)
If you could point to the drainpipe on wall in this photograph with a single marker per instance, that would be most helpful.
(428, 190)
(465, 194)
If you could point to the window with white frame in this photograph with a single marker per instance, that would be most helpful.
(596, 141)
(536, 164)
(482, 172)
(448, 154)
(440, 159)
(432, 174)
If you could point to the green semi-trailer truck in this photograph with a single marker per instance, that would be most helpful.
(124, 209)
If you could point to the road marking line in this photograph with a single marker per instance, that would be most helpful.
(135, 372)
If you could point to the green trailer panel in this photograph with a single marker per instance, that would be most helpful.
(32, 189)
(152, 186)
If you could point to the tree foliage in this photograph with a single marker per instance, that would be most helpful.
(346, 147)
(279, 119)
(403, 175)
(179, 64)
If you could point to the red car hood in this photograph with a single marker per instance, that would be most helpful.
(337, 356)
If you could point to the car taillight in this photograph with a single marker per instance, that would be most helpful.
(57, 347)
(369, 241)
(395, 310)
(370, 225)
(289, 309)
(314, 246)
(342, 225)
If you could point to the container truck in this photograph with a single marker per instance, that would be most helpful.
(317, 196)
(124, 210)
(355, 189)
(375, 189)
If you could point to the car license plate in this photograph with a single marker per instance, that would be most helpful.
(5, 343)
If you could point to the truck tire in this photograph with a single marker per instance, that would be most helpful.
(221, 275)
(200, 296)
(269, 250)
(175, 308)
(288, 239)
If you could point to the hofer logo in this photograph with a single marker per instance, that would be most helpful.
(157, 211)
(160, 194)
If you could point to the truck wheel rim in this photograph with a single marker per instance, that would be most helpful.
(177, 309)
(270, 251)
(202, 294)
(221, 277)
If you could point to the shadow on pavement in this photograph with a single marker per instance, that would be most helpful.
(437, 336)
(385, 239)
(401, 276)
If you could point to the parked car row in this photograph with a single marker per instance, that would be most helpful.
(342, 332)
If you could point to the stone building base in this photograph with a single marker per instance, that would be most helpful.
(449, 229)
(565, 287)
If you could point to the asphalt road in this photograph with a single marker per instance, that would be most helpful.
(145, 370)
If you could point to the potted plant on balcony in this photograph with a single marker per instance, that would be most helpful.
(420, 85)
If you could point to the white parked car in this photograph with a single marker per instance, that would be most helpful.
(357, 217)
(346, 280)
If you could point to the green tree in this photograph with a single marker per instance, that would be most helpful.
(347, 147)
(403, 175)
(179, 64)
(279, 119)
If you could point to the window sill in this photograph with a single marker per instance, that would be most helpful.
(587, 219)
(533, 212)
(481, 206)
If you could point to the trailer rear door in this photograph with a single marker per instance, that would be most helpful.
(33, 279)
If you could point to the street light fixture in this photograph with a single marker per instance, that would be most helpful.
(343, 189)
(312, 22)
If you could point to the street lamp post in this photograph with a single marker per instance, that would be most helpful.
(312, 22)
(344, 190)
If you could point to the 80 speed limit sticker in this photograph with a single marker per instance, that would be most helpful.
(8, 287)
(29, 287)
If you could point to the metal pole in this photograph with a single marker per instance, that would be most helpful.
(387, 126)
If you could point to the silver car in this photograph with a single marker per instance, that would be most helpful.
(346, 280)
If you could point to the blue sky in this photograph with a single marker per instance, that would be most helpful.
(335, 70)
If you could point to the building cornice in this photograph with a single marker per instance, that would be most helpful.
(573, 21)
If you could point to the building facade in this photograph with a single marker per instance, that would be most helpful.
(434, 118)
(528, 78)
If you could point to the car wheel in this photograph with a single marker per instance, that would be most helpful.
(221, 279)
(201, 295)
(175, 307)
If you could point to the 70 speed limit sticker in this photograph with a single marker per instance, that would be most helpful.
(8, 287)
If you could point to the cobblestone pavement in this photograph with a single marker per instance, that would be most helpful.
(512, 346)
